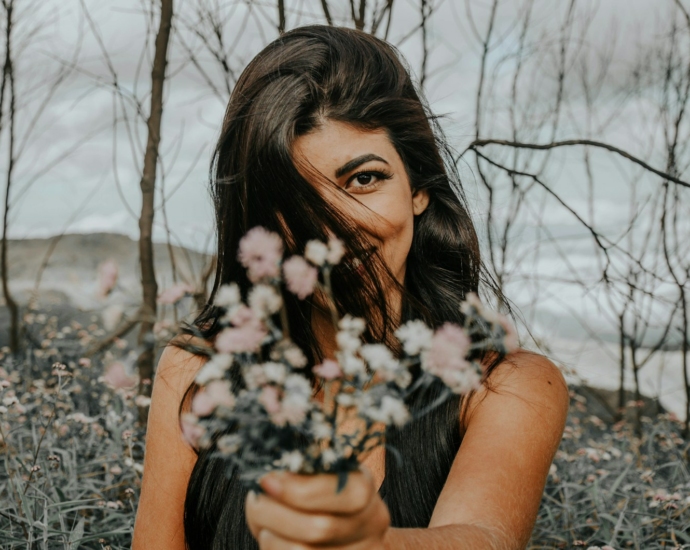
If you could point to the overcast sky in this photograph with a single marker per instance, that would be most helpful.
(83, 110)
(79, 167)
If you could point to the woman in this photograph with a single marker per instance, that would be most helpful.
(325, 135)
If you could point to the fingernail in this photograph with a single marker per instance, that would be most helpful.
(251, 497)
(271, 484)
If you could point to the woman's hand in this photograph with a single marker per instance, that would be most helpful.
(301, 512)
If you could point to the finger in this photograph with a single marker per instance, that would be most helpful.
(265, 513)
(318, 493)
(270, 541)
(249, 509)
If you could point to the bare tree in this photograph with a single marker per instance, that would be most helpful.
(552, 73)
(8, 84)
(146, 337)
(20, 114)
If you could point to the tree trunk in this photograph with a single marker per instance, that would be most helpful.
(685, 351)
(621, 387)
(8, 78)
(638, 395)
(281, 16)
(146, 339)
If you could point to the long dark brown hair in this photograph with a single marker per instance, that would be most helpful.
(306, 76)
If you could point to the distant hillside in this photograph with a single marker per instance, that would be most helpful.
(72, 270)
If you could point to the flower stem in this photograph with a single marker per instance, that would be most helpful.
(331, 300)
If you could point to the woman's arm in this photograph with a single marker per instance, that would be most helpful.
(169, 460)
(490, 499)
(492, 495)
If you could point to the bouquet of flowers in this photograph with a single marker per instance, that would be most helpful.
(272, 420)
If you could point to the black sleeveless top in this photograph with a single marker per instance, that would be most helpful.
(418, 459)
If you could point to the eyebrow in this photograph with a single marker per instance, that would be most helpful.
(355, 162)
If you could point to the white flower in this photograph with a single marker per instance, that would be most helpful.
(275, 372)
(353, 325)
(265, 300)
(229, 444)
(379, 357)
(460, 381)
(9, 400)
(300, 400)
(228, 296)
(415, 336)
(403, 378)
(254, 377)
(391, 411)
(292, 460)
(316, 252)
(295, 357)
(351, 365)
(214, 368)
(347, 341)
(297, 384)
(336, 251)
(293, 409)
(345, 399)
(81, 417)
(328, 457)
(321, 430)
(472, 302)
(142, 401)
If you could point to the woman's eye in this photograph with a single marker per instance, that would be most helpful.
(367, 179)
(364, 179)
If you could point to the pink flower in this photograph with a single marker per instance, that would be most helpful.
(216, 393)
(449, 347)
(260, 252)
(107, 277)
(300, 277)
(245, 338)
(269, 399)
(243, 315)
(328, 370)
(160, 326)
(175, 293)
(192, 431)
(117, 378)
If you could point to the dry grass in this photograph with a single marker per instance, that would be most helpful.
(72, 480)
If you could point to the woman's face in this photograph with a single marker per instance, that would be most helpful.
(367, 166)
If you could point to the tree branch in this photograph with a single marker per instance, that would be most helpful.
(569, 143)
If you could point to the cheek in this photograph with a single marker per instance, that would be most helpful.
(393, 227)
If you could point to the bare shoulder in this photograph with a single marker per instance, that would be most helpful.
(169, 460)
(524, 375)
(177, 367)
